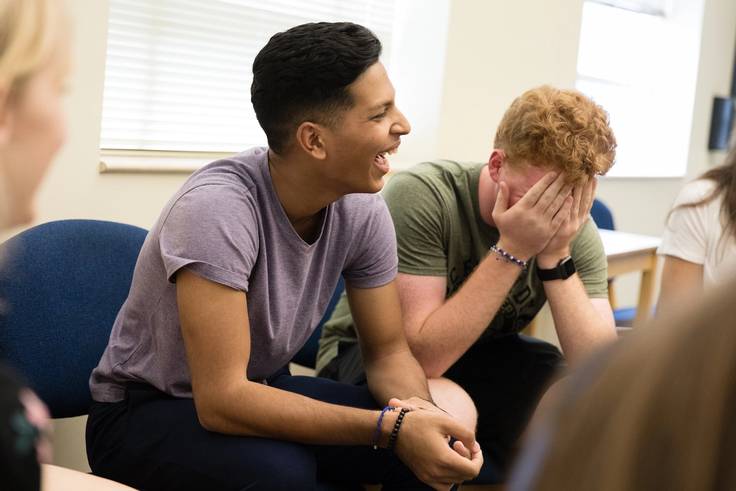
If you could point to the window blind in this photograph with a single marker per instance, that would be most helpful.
(178, 72)
(652, 7)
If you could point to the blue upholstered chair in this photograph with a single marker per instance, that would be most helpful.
(603, 218)
(61, 285)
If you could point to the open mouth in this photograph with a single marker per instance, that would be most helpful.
(381, 159)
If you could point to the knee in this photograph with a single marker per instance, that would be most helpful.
(452, 398)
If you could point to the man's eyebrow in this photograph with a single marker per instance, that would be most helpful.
(382, 105)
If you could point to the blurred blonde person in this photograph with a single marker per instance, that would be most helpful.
(654, 412)
(34, 55)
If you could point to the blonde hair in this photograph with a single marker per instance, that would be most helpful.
(30, 31)
(656, 412)
(560, 128)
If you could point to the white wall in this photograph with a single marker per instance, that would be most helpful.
(495, 50)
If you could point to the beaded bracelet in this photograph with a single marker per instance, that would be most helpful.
(377, 432)
(397, 427)
(509, 257)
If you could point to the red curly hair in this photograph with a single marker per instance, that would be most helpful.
(561, 128)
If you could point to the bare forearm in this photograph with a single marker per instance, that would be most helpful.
(397, 375)
(580, 327)
(254, 409)
(450, 330)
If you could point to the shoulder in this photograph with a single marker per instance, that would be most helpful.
(359, 204)
(244, 170)
(438, 181)
(695, 191)
(226, 182)
(588, 240)
(435, 172)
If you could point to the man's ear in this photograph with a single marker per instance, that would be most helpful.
(495, 162)
(310, 138)
(6, 115)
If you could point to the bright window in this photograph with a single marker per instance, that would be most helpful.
(639, 59)
(178, 72)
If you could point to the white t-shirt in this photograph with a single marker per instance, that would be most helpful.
(695, 234)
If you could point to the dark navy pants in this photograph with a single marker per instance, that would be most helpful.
(154, 441)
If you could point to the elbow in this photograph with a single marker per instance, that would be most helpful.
(209, 417)
(432, 365)
(213, 411)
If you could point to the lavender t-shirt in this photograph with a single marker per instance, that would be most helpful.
(227, 225)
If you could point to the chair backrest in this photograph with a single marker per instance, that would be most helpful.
(602, 215)
(307, 356)
(61, 286)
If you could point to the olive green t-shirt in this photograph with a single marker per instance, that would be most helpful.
(440, 232)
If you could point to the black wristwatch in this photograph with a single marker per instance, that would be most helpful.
(564, 269)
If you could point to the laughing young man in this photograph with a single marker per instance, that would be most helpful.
(191, 392)
(482, 247)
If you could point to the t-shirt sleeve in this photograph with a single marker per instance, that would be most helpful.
(417, 212)
(201, 234)
(590, 260)
(685, 232)
(372, 260)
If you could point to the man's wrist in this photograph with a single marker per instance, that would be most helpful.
(514, 250)
(389, 421)
(549, 260)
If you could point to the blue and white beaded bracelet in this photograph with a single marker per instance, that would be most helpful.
(509, 257)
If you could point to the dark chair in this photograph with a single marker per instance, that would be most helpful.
(602, 215)
(62, 284)
(603, 218)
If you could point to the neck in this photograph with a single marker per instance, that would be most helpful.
(487, 191)
(298, 192)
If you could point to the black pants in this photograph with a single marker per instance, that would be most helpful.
(154, 441)
(505, 377)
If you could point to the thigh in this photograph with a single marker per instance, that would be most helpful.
(505, 378)
(156, 442)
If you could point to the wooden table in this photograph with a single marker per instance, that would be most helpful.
(628, 253)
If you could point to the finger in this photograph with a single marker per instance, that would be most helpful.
(578, 194)
(559, 200)
(396, 402)
(552, 191)
(531, 197)
(562, 216)
(460, 432)
(461, 449)
(502, 200)
(457, 468)
(476, 456)
(589, 197)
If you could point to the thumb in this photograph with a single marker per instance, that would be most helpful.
(502, 199)
(395, 402)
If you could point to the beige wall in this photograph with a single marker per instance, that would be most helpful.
(75, 188)
(495, 50)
